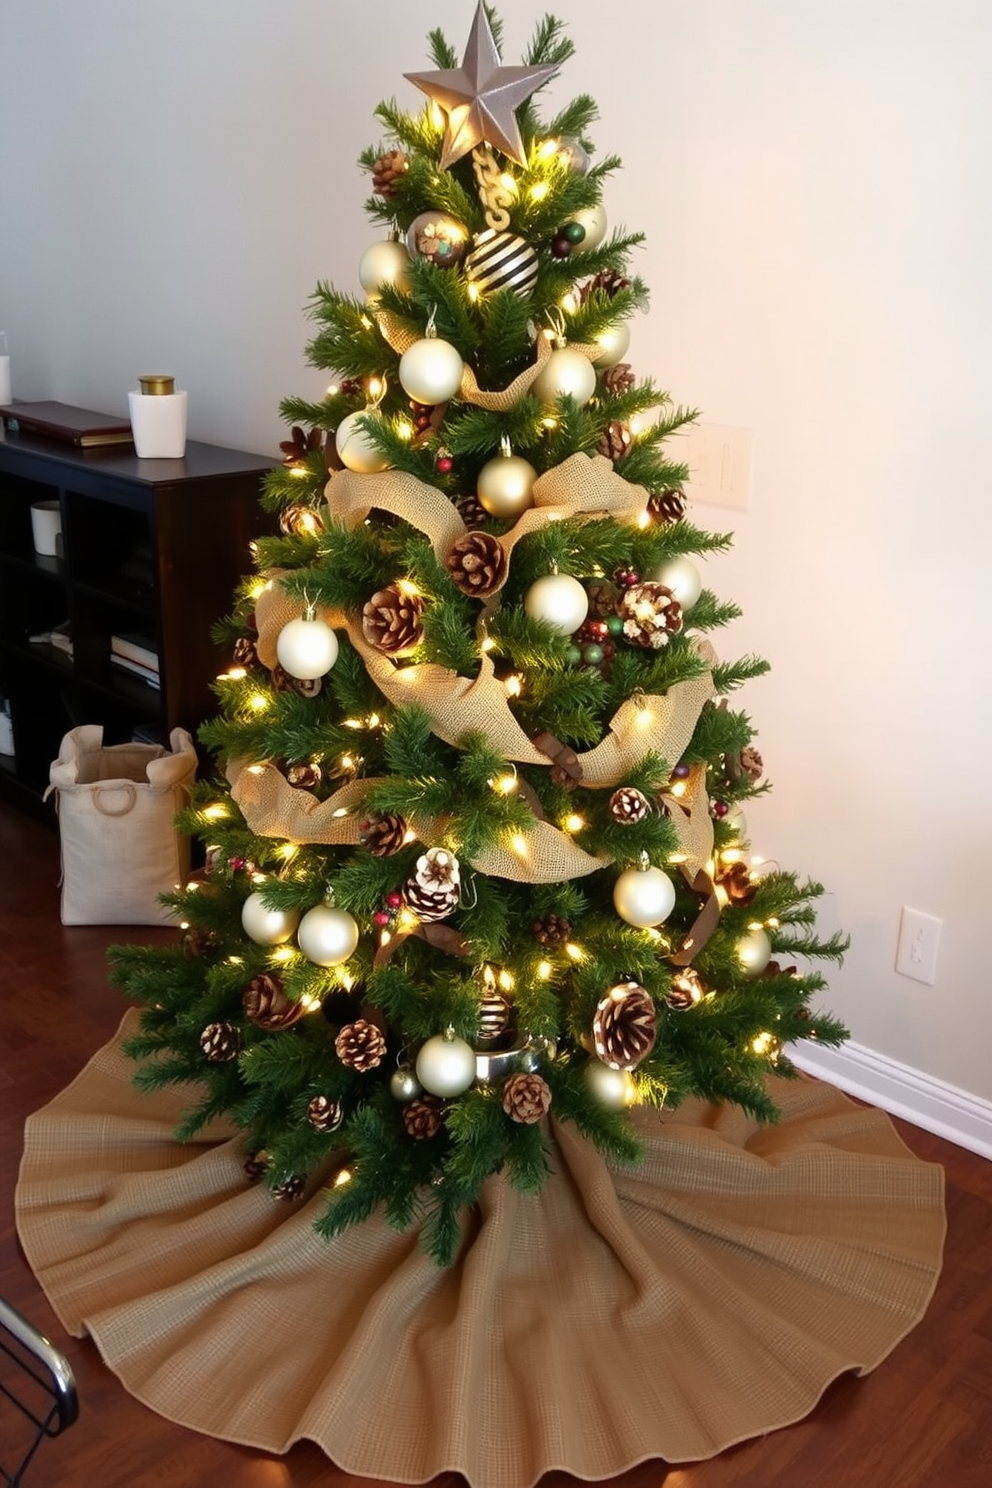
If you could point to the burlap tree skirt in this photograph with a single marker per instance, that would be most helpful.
(707, 1296)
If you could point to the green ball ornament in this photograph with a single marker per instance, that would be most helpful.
(574, 232)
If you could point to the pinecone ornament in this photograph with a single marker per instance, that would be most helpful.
(751, 763)
(625, 1026)
(553, 931)
(615, 441)
(431, 891)
(282, 681)
(324, 1114)
(391, 620)
(423, 1118)
(197, 942)
(471, 510)
(477, 564)
(736, 881)
(650, 613)
(607, 281)
(668, 506)
(360, 1045)
(296, 448)
(300, 521)
(629, 805)
(304, 775)
(290, 1188)
(603, 598)
(244, 654)
(220, 1042)
(526, 1098)
(266, 1004)
(617, 380)
(686, 990)
(384, 835)
(256, 1165)
(387, 170)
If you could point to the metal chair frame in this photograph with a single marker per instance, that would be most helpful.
(40, 1360)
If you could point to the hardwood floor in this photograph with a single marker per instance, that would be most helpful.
(924, 1417)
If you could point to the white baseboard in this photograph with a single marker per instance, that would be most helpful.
(902, 1091)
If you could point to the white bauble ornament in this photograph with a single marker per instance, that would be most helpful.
(565, 373)
(446, 1065)
(431, 371)
(754, 951)
(307, 647)
(559, 600)
(385, 263)
(644, 896)
(614, 342)
(504, 485)
(356, 448)
(683, 578)
(593, 219)
(267, 926)
(612, 1088)
(404, 1085)
(327, 936)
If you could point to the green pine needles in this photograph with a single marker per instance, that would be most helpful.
(477, 861)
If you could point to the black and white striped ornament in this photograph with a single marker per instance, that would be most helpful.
(502, 260)
(494, 1016)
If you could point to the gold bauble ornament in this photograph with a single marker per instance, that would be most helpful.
(505, 483)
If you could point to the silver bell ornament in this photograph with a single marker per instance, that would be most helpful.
(754, 951)
(267, 926)
(566, 373)
(644, 896)
(307, 647)
(505, 483)
(431, 369)
(446, 1064)
(383, 264)
(327, 936)
(559, 600)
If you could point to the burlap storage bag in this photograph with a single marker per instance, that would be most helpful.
(116, 806)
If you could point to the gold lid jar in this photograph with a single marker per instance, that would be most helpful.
(156, 385)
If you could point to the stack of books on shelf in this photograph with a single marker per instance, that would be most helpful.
(136, 655)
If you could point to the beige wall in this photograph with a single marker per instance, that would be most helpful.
(814, 181)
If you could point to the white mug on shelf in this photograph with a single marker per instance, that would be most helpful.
(46, 529)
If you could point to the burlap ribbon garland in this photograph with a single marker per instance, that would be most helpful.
(400, 337)
(581, 487)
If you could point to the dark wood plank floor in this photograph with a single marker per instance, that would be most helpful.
(923, 1417)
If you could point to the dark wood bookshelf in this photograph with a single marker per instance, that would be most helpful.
(152, 545)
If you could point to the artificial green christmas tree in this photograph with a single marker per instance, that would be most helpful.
(478, 854)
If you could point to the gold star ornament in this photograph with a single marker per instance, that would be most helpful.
(480, 97)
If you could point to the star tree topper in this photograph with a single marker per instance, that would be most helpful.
(481, 96)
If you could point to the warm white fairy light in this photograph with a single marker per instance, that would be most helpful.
(258, 702)
(257, 769)
(544, 970)
(539, 191)
(234, 961)
(404, 428)
(574, 952)
(288, 851)
(343, 1178)
(215, 812)
(234, 674)
(519, 844)
(282, 954)
(513, 685)
(505, 979)
(764, 1043)
(409, 588)
(505, 784)
(573, 822)
(569, 302)
(259, 587)
(310, 1002)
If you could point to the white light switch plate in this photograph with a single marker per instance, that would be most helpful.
(719, 461)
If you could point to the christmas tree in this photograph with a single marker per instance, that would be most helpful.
(477, 856)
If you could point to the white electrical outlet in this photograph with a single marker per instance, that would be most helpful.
(919, 942)
(719, 461)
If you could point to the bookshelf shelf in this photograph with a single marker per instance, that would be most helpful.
(155, 546)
